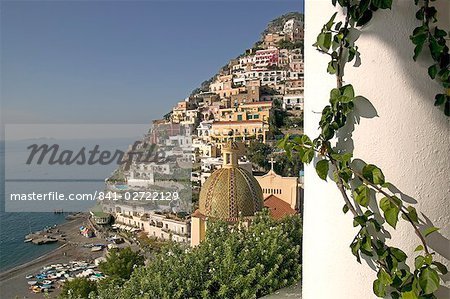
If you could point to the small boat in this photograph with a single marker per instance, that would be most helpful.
(47, 282)
(36, 289)
(27, 240)
(32, 282)
(96, 248)
(29, 276)
(46, 286)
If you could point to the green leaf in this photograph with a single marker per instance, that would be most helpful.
(417, 51)
(327, 42)
(390, 210)
(409, 295)
(345, 209)
(355, 246)
(348, 91)
(322, 168)
(379, 288)
(432, 71)
(419, 248)
(430, 230)
(335, 93)
(383, 4)
(419, 39)
(359, 220)
(362, 195)
(373, 174)
(308, 156)
(331, 21)
(384, 277)
(399, 254)
(439, 99)
(365, 18)
(441, 268)
(306, 140)
(439, 33)
(429, 280)
(331, 69)
(412, 214)
(419, 262)
(428, 259)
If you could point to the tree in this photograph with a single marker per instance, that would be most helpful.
(78, 288)
(234, 261)
(121, 263)
(258, 153)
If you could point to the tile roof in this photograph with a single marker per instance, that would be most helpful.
(278, 208)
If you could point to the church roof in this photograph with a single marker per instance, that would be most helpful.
(230, 193)
(278, 208)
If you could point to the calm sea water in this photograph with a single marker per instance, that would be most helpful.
(15, 225)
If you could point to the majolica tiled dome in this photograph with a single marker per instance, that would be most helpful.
(230, 192)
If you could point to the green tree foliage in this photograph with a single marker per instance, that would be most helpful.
(286, 44)
(258, 153)
(232, 262)
(121, 263)
(288, 166)
(78, 288)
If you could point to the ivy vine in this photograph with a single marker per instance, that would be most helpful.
(439, 51)
(366, 182)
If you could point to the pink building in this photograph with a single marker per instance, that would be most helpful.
(265, 58)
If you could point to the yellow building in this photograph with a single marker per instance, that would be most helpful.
(228, 194)
(244, 130)
(288, 189)
(247, 111)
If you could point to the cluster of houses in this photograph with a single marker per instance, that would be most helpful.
(236, 107)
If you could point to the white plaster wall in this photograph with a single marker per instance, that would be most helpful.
(409, 140)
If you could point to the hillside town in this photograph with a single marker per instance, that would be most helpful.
(254, 99)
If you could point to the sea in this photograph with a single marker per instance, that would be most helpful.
(18, 221)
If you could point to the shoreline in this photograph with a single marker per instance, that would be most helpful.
(45, 256)
(13, 283)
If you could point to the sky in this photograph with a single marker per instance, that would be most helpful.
(129, 62)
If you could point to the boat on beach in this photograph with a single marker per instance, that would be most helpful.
(36, 289)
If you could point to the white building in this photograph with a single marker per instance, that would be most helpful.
(407, 138)
(166, 226)
(169, 227)
(293, 102)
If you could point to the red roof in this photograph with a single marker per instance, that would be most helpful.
(278, 208)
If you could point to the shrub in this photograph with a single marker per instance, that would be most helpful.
(232, 262)
(78, 288)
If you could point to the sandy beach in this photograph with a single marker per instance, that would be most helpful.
(13, 283)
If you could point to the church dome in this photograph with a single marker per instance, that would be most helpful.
(230, 192)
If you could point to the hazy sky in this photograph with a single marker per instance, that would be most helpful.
(118, 61)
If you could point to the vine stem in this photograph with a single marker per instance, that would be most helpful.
(341, 188)
(401, 208)
(340, 68)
